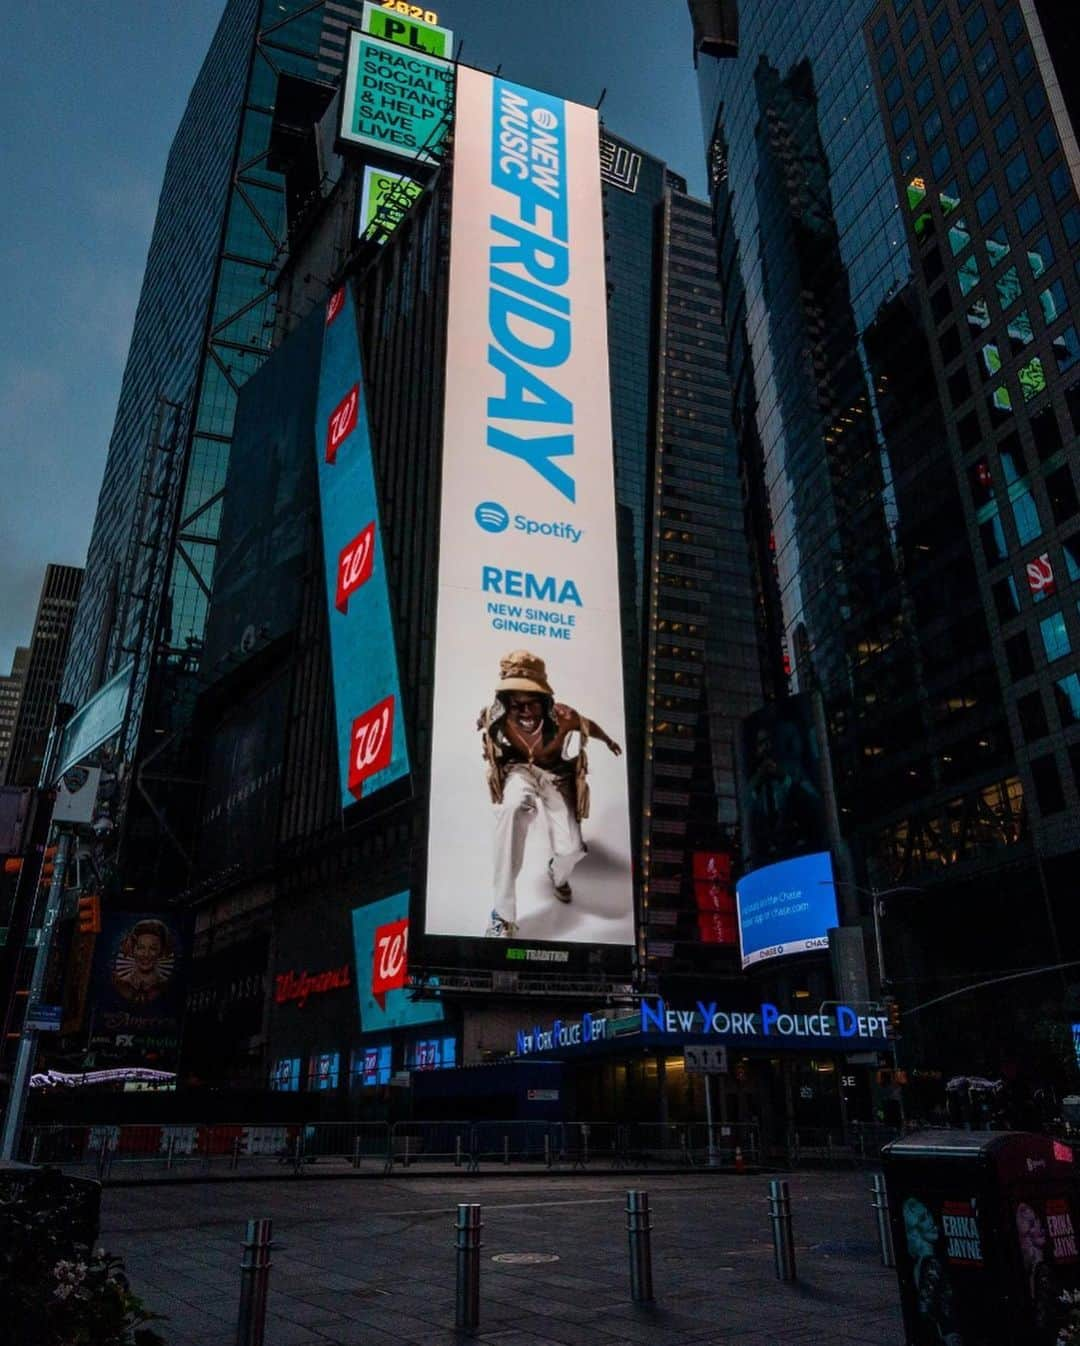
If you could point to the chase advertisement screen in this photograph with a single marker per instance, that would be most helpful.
(367, 701)
(529, 833)
(786, 908)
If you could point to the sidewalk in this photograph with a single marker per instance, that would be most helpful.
(373, 1262)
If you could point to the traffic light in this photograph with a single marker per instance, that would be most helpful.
(90, 915)
(892, 1013)
(48, 864)
(13, 864)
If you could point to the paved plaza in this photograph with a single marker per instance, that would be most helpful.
(370, 1262)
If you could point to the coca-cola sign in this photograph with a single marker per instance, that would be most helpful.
(342, 422)
(390, 963)
(372, 744)
(298, 986)
(354, 566)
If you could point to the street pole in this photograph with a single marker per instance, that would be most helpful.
(878, 945)
(24, 1062)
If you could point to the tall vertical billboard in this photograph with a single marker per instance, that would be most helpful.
(372, 750)
(529, 818)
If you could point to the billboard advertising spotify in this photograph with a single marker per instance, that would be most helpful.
(529, 826)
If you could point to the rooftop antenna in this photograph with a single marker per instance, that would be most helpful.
(603, 95)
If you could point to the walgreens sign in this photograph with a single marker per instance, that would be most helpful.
(381, 940)
(370, 735)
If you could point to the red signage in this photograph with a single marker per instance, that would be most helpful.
(372, 744)
(299, 986)
(1040, 576)
(390, 963)
(712, 865)
(336, 304)
(714, 897)
(717, 927)
(342, 422)
(354, 566)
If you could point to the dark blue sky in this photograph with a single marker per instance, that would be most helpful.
(90, 95)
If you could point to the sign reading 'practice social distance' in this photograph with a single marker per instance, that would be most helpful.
(396, 100)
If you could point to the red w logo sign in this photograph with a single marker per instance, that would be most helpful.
(354, 566)
(372, 744)
(342, 422)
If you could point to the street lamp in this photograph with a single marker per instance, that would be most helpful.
(878, 897)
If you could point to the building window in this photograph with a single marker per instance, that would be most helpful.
(916, 59)
(995, 548)
(1019, 657)
(967, 274)
(967, 128)
(1028, 212)
(1025, 515)
(975, 26)
(1006, 133)
(940, 27)
(940, 161)
(1046, 433)
(1040, 255)
(932, 127)
(924, 91)
(987, 205)
(1067, 348)
(1006, 598)
(909, 28)
(1055, 637)
(1017, 171)
(1062, 493)
(324, 1071)
(432, 1054)
(285, 1075)
(1046, 140)
(978, 166)
(1013, 24)
(985, 61)
(1071, 547)
(887, 61)
(958, 94)
(371, 1065)
(1034, 100)
(893, 91)
(995, 95)
(1053, 302)
(901, 122)
(1032, 717)
(1048, 791)
(1032, 378)
(1067, 696)
(1024, 62)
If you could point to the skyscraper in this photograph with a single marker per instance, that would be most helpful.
(44, 667)
(202, 327)
(896, 205)
(10, 691)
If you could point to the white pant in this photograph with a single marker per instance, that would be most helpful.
(527, 790)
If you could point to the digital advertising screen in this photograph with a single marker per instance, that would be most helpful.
(137, 989)
(529, 818)
(781, 794)
(786, 908)
(407, 26)
(396, 99)
(370, 726)
(385, 198)
(381, 941)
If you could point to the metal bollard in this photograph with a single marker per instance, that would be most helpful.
(469, 1225)
(254, 1284)
(783, 1238)
(639, 1234)
(880, 1201)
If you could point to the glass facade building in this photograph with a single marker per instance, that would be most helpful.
(203, 325)
(895, 193)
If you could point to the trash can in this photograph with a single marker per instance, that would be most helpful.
(985, 1230)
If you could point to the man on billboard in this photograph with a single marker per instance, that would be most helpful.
(530, 770)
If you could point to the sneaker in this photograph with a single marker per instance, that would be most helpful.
(563, 891)
(500, 929)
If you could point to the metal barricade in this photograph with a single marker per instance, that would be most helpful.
(515, 1142)
(429, 1145)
